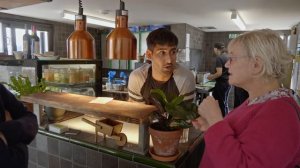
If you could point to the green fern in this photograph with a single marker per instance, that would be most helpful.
(22, 85)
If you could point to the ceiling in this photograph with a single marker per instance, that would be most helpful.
(257, 14)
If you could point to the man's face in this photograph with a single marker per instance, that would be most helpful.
(163, 58)
(216, 51)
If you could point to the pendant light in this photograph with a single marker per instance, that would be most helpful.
(81, 44)
(121, 43)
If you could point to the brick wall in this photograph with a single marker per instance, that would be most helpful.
(197, 37)
(63, 31)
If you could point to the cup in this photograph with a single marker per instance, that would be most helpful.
(18, 55)
(109, 86)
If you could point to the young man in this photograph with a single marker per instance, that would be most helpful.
(163, 72)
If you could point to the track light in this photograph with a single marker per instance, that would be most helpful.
(90, 19)
(236, 18)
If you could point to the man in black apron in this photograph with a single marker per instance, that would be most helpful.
(163, 72)
(222, 87)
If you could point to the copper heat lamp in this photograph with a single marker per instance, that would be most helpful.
(121, 43)
(81, 44)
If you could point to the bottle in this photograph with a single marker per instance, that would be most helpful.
(35, 42)
(26, 44)
(81, 44)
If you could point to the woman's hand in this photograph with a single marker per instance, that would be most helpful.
(200, 123)
(210, 113)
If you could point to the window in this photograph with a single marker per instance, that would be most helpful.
(233, 35)
(44, 46)
(8, 41)
(11, 36)
(1, 39)
(43, 35)
(19, 38)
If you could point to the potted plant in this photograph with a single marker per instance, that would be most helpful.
(173, 115)
(22, 86)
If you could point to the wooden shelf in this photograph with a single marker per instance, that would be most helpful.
(130, 112)
(119, 110)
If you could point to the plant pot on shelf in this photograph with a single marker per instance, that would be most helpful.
(165, 143)
(54, 114)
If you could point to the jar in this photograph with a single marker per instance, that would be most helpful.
(64, 78)
(48, 75)
(91, 75)
(80, 76)
(51, 75)
(85, 76)
(73, 76)
(56, 75)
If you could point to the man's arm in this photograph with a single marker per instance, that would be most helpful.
(134, 87)
(215, 75)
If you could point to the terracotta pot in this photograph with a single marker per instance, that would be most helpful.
(165, 143)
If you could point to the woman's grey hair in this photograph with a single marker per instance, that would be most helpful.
(267, 45)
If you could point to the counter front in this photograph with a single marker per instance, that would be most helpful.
(134, 116)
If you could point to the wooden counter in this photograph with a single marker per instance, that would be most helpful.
(119, 110)
(129, 112)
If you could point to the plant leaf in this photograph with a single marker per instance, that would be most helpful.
(179, 112)
(177, 100)
(158, 99)
(180, 123)
(159, 95)
(22, 85)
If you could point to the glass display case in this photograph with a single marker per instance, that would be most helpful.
(72, 76)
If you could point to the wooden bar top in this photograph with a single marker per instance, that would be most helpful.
(119, 110)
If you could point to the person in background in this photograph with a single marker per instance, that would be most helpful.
(240, 95)
(163, 72)
(17, 133)
(264, 131)
(221, 89)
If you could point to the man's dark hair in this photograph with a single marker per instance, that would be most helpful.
(219, 46)
(161, 36)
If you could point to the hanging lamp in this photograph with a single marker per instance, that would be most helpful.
(81, 44)
(121, 43)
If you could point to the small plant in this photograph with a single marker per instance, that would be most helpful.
(22, 85)
(173, 112)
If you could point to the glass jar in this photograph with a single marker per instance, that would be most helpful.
(51, 75)
(80, 76)
(56, 75)
(48, 75)
(64, 78)
(85, 76)
(73, 76)
(91, 75)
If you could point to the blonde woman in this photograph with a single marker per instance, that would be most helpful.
(264, 131)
